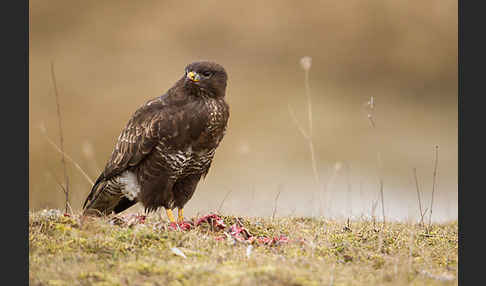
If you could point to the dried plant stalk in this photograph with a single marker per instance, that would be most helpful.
(306, 63)
(382, 202)
(276, 201)
(49, 140)
(59, 120)
(371, 106)
(224, 199)
(418, 196)
(434, 182)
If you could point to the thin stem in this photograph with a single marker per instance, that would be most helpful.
(349, 196)
(306, 63)
(276, 201)
(314, 163)
(371, 105)
(297, 124)
(309, 113)
(418, 195)
(224, 199)
(382, 202)
(66, 190)
(67, 157)
(309, 102)
(434, 182)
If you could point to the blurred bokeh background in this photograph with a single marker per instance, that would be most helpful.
(112, 56)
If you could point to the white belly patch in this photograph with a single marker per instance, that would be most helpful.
(132, 188)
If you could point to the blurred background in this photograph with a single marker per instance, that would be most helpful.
(112, 56)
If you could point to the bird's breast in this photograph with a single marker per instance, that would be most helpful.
(186, 161)
(216, 123)
(195, 135)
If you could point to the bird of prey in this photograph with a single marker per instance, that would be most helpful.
(166, 147)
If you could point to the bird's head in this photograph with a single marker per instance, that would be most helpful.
(207, 76)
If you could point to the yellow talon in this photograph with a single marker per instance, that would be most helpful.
(170, 215)
(181, 215)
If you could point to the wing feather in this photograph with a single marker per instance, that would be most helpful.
(157, 120)
(137, 140)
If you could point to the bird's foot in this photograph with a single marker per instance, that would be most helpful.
(180, 224)
(180, 213)
(170, 215)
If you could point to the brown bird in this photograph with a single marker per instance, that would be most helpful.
(166, 147)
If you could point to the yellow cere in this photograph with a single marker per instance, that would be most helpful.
(193, 76)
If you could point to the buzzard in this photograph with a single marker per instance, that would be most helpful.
(166, 147)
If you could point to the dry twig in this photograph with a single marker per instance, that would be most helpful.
(49, 140)
(66, 179)
(434, 182)
(224, 199)
(306, 63)
(276, 200)
(371, 106)
(419, 196)
(382, 201)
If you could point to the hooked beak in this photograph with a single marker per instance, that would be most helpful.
(193, 76)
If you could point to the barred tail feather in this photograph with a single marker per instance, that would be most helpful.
(104, 197)
(111, 195)
(93, 191)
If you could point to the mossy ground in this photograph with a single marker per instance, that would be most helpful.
(70, 251)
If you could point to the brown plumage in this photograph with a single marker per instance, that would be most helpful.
(166, 147)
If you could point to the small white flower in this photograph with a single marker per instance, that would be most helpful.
(306, 63)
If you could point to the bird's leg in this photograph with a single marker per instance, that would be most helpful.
(170, 215)
(180, 213)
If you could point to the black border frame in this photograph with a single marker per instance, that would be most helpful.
(15, 143)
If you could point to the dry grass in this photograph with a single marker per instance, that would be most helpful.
(65, 251)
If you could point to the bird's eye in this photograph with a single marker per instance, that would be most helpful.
(206, 73)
